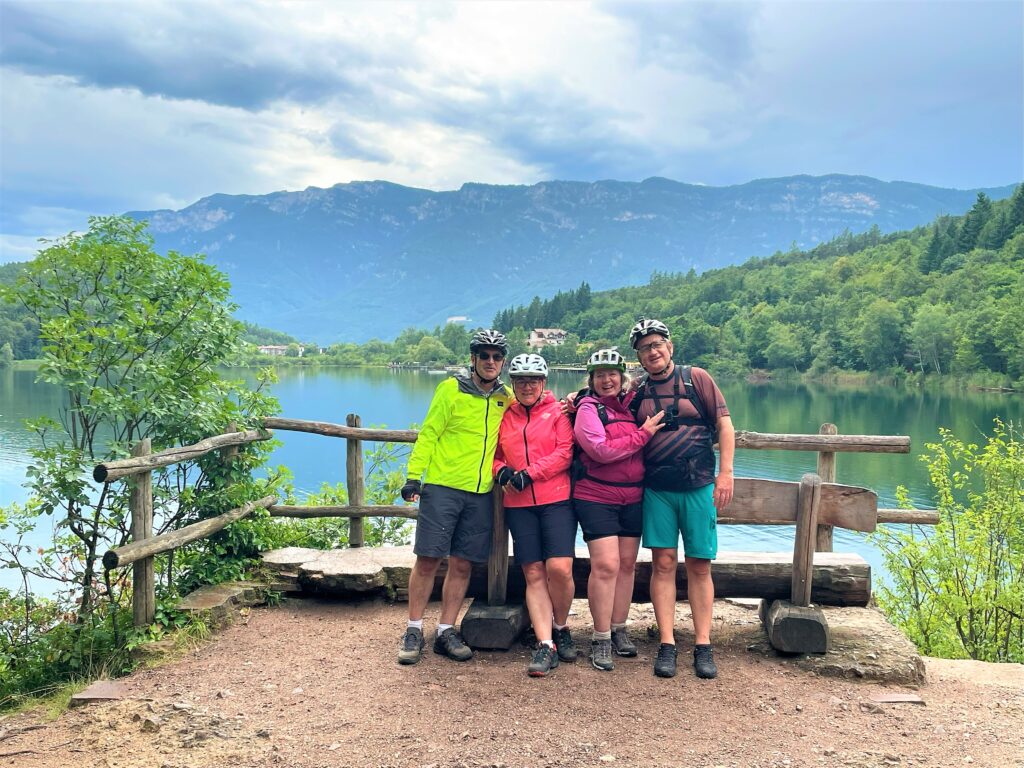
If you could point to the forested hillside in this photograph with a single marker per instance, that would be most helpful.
(944, 298)
(17, 328)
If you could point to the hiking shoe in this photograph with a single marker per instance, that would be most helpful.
(545, 659)
(621, 643)
(665, 661)
(601, 655)
(450, 643)
(411, 647)
(703, 663)
(565, 644)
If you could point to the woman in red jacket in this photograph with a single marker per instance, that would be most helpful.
(532, 464)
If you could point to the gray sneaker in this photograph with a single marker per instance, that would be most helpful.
(621, 643)
(450, 643)
(601, 655)
(665, 661)
(411, 646)
(704, 662)
(565, 644)
(544, 660)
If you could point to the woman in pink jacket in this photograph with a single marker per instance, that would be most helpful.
(608, 497)
(532, 464)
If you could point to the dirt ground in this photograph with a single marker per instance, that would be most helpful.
(315, 683)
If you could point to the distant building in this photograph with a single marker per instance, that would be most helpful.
(543, 337)
(457, 319)
(278, 350)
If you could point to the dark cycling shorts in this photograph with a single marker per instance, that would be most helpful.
(454, 522)
(599, 521)
(542, 532)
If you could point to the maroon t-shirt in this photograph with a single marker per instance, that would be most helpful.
(667, 445)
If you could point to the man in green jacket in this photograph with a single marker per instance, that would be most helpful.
(453, 456)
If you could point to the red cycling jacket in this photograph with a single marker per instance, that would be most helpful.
(539, 440)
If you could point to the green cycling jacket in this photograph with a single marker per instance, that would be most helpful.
(456, 443)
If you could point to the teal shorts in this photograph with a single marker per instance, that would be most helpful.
(691, 513)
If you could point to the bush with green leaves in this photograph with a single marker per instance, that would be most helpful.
(958, 587)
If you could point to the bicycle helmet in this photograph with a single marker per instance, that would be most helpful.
(488, 338)
(646, 327)
(527, 365)
(606, 358)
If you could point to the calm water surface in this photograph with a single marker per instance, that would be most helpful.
(397, 399)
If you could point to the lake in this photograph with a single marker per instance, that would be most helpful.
(398, 398)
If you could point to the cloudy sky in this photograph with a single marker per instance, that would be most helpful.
(114, 106)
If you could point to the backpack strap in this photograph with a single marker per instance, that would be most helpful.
(694, 397)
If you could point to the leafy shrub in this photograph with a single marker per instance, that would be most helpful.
(958, 588)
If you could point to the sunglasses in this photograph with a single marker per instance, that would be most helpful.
(486, 356)
(654, 346)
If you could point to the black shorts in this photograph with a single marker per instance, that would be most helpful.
(542, 532)
(599, 521)
(454, 522)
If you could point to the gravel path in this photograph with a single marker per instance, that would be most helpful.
(312, 683)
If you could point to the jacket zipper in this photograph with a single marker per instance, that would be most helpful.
(483, 456)
(526, 448)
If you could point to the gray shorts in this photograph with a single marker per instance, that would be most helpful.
(454, 522)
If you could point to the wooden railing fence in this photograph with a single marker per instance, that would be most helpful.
(144, 546)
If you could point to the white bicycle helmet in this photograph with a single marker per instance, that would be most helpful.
(646, 327)
(606, 358)
(527, 365)
(488, 338)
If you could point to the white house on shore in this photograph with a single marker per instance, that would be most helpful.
(543, 337)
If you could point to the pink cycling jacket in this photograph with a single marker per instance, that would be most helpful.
(539, 440)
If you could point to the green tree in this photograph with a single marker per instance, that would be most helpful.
(881, 334)
(134, 339)
(6, 355)
(932, 334)
(431, 350)
(456, 338)
(958, 589)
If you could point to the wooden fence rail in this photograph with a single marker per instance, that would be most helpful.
(760, 509)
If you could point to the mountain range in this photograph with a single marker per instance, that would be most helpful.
(368, 259)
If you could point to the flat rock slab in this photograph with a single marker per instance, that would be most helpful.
(347, 572)
(220, 600)
(863, 645)
(100, 691)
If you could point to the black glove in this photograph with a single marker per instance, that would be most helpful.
(410, 489)
(520, 480)
(504, 475)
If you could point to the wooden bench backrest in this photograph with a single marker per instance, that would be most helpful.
(774, 502)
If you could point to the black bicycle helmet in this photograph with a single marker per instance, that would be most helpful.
(488, 338)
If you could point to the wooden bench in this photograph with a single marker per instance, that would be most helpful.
(790, 584)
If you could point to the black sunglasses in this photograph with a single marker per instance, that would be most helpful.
(495, 356)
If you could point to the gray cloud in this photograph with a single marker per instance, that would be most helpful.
(189, 51)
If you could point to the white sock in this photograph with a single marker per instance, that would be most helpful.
(548, 643)
(416, 623)
(606, 635)
(556, 625)
(442, 627)
(618, 626)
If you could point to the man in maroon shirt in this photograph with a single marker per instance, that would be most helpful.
(681, 490)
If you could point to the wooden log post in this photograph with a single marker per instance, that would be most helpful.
(793, 625)
(497, 563)
(827, 473)
(140, 504)
(355, 481)
(495, 624)
(808, 503)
